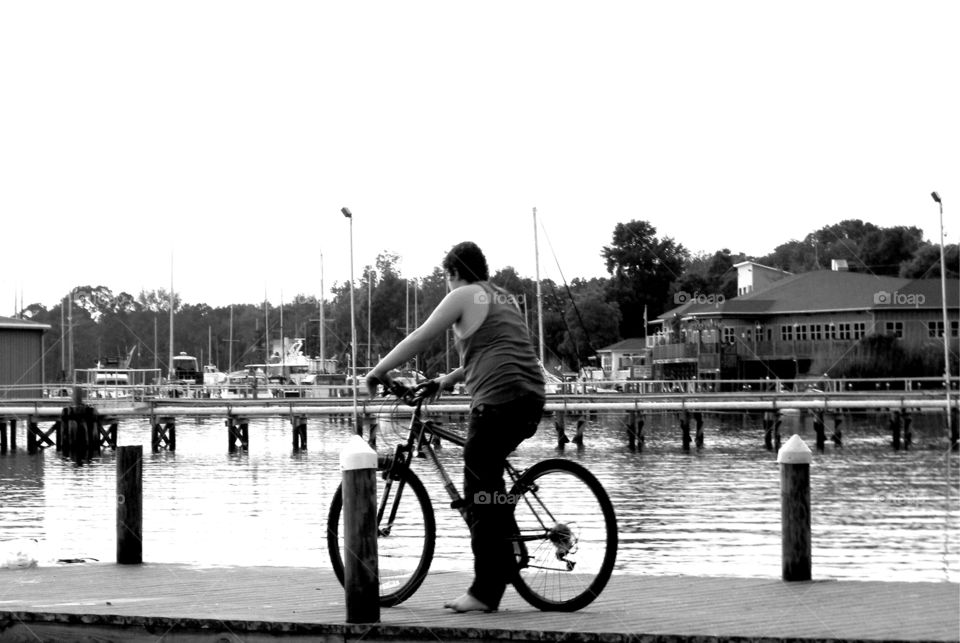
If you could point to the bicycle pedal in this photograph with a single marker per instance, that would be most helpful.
(459, 503)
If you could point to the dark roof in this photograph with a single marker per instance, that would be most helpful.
(23, 324)
(629, 344)
(828, 291)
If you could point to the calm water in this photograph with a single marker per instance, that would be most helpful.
(877, 514)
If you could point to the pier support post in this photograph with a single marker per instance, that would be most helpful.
(13, 435)
(361, 577)
(794, 459)
(895, 427)
(3, 437)
(559, 425)
(32, 430)
(238, 434)
(635, 436)
(907, 432)
(130, 505)
(685, 431)
(768, 430)
(165, 434)
(820, 429)
(698, 436)
(578, 436)
(299, 423)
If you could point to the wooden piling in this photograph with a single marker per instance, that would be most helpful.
(768, 430)
(895, 427)
(578, 437)
(559, 425)
(13, 435)
(698, 435)
(361, 582)
(32, 430)
(794, 459)
(819, 428)
(635, 436)
(299, 423)
(685, 431)
(130, 505)
(3, 437)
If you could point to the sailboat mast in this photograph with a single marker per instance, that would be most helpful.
(323, 366)
(170, 363)
(536, 250)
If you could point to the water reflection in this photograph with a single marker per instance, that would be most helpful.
(877, 514)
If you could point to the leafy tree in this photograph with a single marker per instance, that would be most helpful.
(642, 268)
(925, 263)
(710, 274)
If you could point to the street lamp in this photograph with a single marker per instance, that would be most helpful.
(946, 321)
(370, 275)
(353, 327)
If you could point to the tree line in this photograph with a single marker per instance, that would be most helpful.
(644, 274)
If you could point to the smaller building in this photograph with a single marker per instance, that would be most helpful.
(21, 358)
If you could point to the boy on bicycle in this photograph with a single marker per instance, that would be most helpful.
(506, 386)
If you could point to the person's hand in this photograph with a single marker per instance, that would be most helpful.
(374, 381)
(429, 389)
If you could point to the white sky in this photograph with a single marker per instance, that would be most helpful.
(228, 135)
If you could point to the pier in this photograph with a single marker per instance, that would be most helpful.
(85, 424)
(157, 602)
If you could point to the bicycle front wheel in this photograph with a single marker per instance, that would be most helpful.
(567, 543)
(406, 535)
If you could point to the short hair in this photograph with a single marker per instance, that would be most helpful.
(467, 260)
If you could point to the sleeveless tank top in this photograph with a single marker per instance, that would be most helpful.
(498, 359)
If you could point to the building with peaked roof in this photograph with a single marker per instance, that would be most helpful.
(21, 357)
(790, 326)
(805, 324)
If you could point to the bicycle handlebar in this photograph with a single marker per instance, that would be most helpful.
(411, 396)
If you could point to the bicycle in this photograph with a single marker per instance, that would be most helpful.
(566, 545)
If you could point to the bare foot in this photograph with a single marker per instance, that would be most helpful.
(467, 603)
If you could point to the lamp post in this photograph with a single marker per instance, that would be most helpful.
(353, 326)
(370, 275)
(946, 321)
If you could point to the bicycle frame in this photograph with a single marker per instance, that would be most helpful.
(420, 438)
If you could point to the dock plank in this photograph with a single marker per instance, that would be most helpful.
(167, 601)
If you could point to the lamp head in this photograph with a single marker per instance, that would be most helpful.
(346, 212)
(936, 197)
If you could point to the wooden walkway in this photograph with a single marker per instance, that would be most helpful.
(165, 602)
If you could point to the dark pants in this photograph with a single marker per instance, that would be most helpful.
(494, 432)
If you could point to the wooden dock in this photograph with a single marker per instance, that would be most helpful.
(168, 602)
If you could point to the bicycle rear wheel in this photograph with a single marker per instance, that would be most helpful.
(568, 530)
(406, 535)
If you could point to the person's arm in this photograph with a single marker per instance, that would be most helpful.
(443, 317)
(447, 381)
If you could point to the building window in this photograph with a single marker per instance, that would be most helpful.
(935, 328)
(859, 330)
(786, 333)
(802, 332)
(895, 329)
(954, 328)
(844, 329)
(729, 335)
(830, 331)
(816, 332)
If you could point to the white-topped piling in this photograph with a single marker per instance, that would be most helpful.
(794, 458)
(361, 577)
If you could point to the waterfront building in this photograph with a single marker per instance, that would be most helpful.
(788, 326)
(21, 357)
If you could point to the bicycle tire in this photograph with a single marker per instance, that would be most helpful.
(568, 527)
(404, 549)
